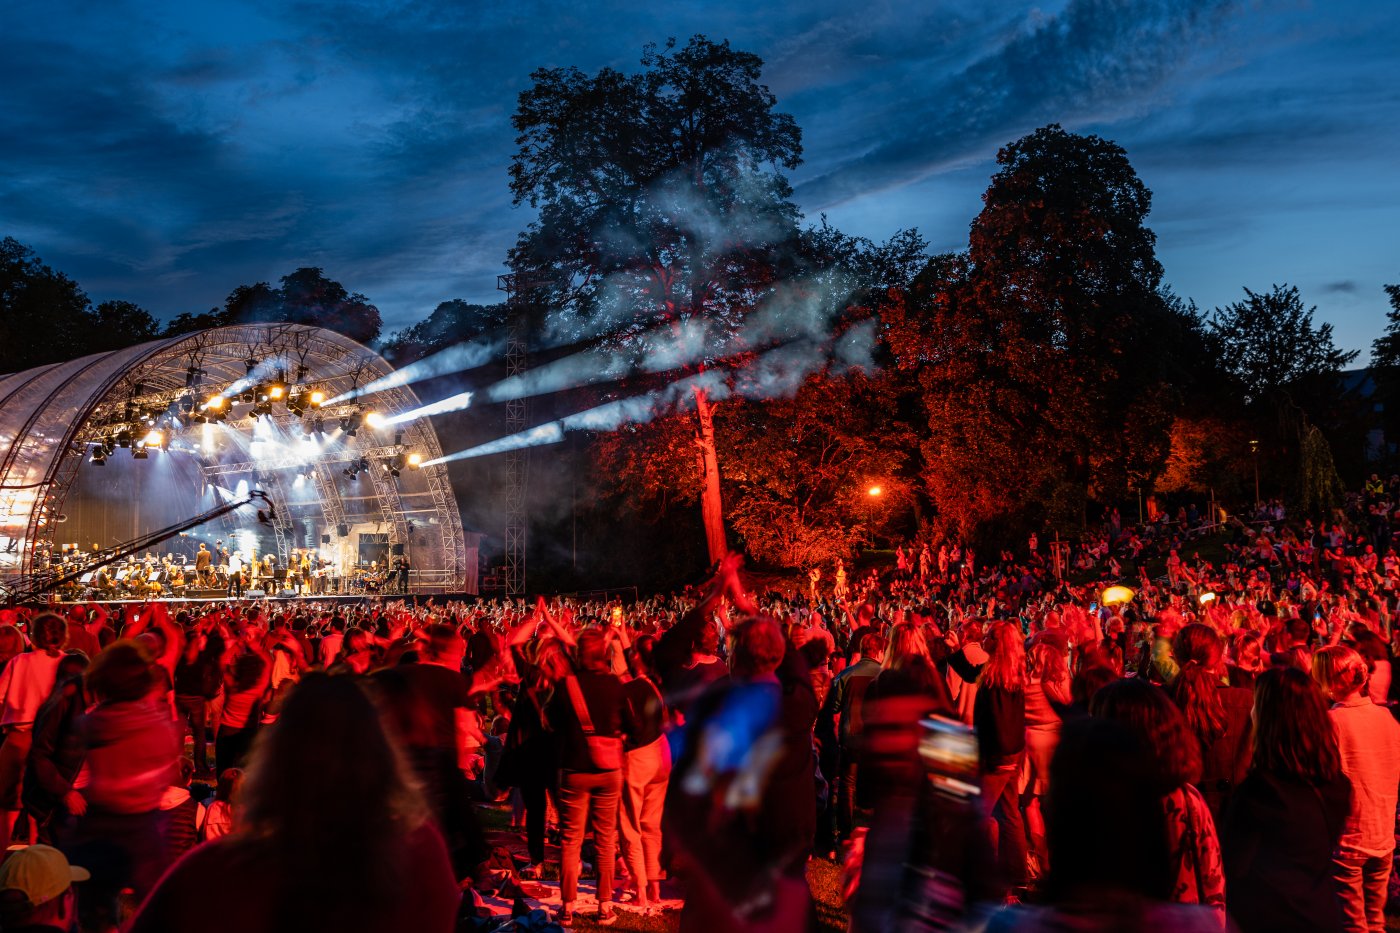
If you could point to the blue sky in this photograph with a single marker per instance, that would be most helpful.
(166, 152)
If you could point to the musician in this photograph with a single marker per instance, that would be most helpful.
(202, 560)
(235, 575)
(220, 554)
(401, 576)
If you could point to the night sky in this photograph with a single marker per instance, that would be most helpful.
(165, 152)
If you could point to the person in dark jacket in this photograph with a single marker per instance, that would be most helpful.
(1285, 818)
(57, 753)
(590, 716)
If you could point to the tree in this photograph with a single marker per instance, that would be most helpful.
(1269, 344)
(43, 313)
(800, 469)
(122, 323)
(1049, 357)
(661, 203)
(1385, 361)
(308, 297)
(452, 322)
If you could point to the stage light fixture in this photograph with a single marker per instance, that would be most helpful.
(276, 392)
(415, 460)
(320, 424)
(374, 419)
(124, 439)
(249, 395)
(99, 456)
(153, 439)
(215, 403)
(251, 362)
(317, 398)
(140, 453)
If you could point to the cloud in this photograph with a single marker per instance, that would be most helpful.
(1093, 58)
(1345, 287)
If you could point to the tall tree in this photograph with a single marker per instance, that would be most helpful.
(43, 313)
(451, 322)
(309, 297)
(122, 323)
(1048, 354)
(662, 203)
(1269, 343)
(1385, 362)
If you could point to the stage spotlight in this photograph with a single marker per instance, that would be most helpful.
(140, 453)
(249, 395)
(415, 461)
(317, 398)
(349, 472)
(374, 419)
(215, 403)
(364, 463)
(391, 470)
(276, 392)
(320, 424)
(251, 362)
(153, 439)
(308, 428)
(99, 456)
(124, 439)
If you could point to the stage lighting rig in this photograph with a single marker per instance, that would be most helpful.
(316, 397)
(99, 456)
(415, 461)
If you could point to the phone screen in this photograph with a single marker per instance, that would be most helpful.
(949, 751)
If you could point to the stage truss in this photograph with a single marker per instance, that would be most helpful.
(54, 418)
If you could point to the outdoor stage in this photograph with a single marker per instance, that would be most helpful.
(115, 448)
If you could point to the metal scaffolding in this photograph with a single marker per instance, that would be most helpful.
(517, 462)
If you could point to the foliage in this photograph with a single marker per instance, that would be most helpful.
(1206, 452)
(798, 470)
(1385, 360)
(46, 317)
(1320, 488)
(660, 194)
(306, 296)
(451, 322)
(1269, 344)
(1050, 360)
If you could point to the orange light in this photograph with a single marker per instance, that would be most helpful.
(874, 491)
(276, 392)
(215, 402)
(415, 460)
(318, 397)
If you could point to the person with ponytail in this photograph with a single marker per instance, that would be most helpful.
(1217, 714)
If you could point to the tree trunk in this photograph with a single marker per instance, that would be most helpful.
(711, 506)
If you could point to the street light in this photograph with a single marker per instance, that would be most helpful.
(1254, 449)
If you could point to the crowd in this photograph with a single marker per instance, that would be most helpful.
(1113, 733)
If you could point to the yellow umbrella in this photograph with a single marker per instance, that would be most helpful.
(1116, 595)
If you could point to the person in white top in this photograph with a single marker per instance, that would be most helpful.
(1369, 740)
(25, 683)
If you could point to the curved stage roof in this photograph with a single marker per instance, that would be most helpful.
(55, 419)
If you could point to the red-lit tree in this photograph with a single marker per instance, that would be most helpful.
(1050, 361)
(661, 204)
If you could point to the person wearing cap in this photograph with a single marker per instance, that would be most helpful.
(36, 891)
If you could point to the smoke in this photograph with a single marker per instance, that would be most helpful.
(458, 358)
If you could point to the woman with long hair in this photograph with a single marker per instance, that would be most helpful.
(999, 715)
(1368, 738)
(1047, 694)
(1194, 847)
(1285, 818)
(334, 834)
(1218, 715)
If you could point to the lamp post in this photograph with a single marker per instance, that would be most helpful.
(872, 495)
(1254, 449)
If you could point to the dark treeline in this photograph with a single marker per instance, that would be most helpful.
(1034, 380)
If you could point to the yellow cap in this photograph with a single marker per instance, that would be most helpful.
(40, 872)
